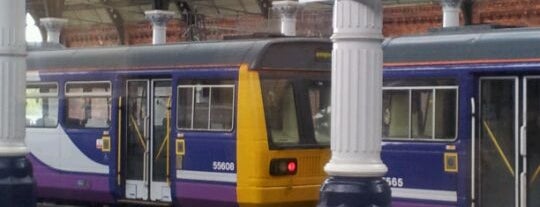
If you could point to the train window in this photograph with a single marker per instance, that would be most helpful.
(206, 107)
(420, 113)
(446, 113)
(280, 111)
(88, 104)
(42, 105)
(396, 113)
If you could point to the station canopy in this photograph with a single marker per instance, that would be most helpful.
(95, 12)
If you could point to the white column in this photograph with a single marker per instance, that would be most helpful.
(451, 9)
(159, 19)
(54, 27)
(287, 11)
(12, 78)
(356, 90)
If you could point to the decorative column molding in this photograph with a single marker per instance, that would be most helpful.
(159, 19)
(451, 9)
(355, 168)
(16, 181)
(287, 11)
(12, 78)
(54, 27)
(356, 90)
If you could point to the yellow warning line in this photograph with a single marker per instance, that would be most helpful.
(167, 131)
(166, 139)
(141, 140)
(535, 175)
(499, 149)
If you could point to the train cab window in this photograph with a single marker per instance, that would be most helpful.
(420, 113)
(42, 105)
(88, 104)
(280, 111)
(205, 107)
(297, 109)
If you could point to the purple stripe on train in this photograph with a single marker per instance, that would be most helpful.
(55, 184)
(196, 194)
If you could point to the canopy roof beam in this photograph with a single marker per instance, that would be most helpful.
(117, 20)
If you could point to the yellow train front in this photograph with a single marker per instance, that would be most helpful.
(233, 123)
(284, 129)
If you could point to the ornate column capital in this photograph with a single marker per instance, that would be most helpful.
(54, 27)
(451, 3)
(451, 9)
(159, 17)
(53, 24)
(286, 9)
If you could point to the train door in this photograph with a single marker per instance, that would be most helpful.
(147, 131)
(496, 145)
(508, 146)
(530, 149)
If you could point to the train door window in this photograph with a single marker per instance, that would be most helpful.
(88, 104)
(319, 99)
(280, 111)
(206, 107)
(533, 140)
(41, 105)
(497, 142)
(426, 113)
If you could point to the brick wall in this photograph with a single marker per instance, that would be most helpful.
(398, 20)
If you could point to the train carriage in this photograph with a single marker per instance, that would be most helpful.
(460, 117)
(235, 123)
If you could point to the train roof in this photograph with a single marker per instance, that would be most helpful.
(273, 53)
(473, 44)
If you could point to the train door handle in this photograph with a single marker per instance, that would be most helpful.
(523, 140)
(146, 130)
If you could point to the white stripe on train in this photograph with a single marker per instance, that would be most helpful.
(422, 194)
(206, 176)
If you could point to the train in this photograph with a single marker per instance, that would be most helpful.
(246, 122)
(461, 117)
(224, 123)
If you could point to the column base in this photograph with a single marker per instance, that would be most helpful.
(16, 182)
(355, 192)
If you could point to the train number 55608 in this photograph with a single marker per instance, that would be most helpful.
(223, 166)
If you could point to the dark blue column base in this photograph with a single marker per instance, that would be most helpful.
(355, 192)
(16, 182)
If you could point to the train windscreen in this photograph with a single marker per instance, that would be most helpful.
(297, 110)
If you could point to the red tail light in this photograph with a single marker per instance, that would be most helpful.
(283, 166)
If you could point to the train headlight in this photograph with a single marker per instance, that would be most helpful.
(283, 166)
